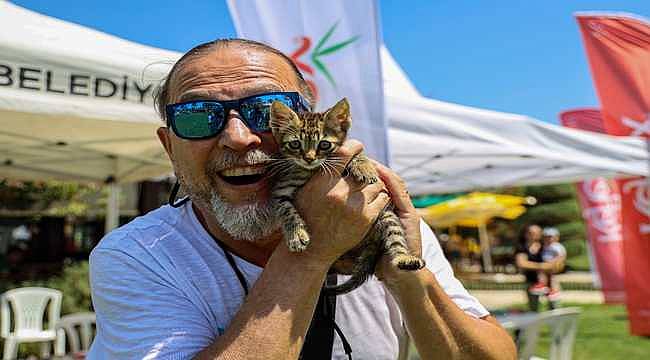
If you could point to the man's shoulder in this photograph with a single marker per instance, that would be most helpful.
(141, 231)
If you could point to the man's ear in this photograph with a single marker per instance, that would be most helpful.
(340, 114)
(164, 137)
(281, 117)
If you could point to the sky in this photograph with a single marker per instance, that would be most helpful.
(523, 57)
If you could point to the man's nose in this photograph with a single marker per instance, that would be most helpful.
(236, 135)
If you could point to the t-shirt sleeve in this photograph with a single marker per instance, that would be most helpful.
(440, 267)
(559, 249)
(140, 314)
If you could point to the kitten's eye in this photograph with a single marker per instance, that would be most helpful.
(324, 145)
(294, 145)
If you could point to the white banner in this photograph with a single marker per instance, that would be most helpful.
(335, 44)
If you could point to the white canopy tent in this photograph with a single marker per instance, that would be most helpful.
(75, 104)
(439, 147)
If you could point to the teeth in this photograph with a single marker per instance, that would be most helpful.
(241, 171)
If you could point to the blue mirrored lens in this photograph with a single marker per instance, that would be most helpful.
(256, 111)
(198, 119)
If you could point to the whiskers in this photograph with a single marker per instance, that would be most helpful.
(275, 166)
(333, 165)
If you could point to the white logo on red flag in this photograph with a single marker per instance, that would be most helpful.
(603, 209)
(639, 127)
(641, 199)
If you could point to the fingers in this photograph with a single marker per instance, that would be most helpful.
(349, 149)
(372, 191)
(397, 188)
(378, 200)
(356, 195)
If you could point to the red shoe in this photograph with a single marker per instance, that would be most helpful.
(538, 289)
(553, 295)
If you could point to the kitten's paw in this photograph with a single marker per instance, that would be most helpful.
(363, 171)
(366, 180)
(408, 262)
(299, 240)
(364, 177)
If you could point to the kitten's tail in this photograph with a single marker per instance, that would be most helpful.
(363, 268)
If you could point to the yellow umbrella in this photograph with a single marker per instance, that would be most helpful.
(476, 210)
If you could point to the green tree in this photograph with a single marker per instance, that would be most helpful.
(53, 198)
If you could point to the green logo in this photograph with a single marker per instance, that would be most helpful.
(321, 50)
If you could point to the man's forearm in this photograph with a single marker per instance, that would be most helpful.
(274, 318)
(440, 329)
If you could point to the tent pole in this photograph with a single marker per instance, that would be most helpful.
(112, 207)
(485, 247)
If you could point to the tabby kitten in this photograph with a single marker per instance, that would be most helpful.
(307, 143)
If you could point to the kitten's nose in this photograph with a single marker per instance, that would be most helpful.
(309, 157)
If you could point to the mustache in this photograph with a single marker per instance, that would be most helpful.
(229, 159)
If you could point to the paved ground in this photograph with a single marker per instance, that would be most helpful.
(495, 299)
(572, 276)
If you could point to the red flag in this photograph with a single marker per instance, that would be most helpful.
(618, 50)
(600, 200)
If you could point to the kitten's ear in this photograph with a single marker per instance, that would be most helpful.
(340, 114)
(281, 116)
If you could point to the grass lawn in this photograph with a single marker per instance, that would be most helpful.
(579, 262)
(602, 334)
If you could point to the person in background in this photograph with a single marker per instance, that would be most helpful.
(552, 251)
(528, 258)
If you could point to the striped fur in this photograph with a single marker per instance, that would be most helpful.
(300, 138)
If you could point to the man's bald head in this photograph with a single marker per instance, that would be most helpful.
(162, 96)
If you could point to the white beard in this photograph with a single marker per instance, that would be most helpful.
(250, 222)
(244, 222)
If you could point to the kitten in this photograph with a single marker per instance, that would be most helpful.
(307, 143)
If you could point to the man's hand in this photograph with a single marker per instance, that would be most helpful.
(338, 211)
(439, 328)
(408, 216)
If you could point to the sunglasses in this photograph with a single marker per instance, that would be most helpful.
(202, 119)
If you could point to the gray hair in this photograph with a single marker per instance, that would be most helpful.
(161, 94)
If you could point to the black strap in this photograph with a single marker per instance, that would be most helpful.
(346, 345)
(235, 268)
(233, 265)
(172, 196)
(319, 341)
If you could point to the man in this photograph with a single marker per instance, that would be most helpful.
(172, 284)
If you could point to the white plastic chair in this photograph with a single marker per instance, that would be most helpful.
(79, 340)
(29, 306)
(563, 325)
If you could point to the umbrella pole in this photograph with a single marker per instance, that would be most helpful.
(112, 207)
(485, 247)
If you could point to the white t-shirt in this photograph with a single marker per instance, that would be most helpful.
(553, 251)
(163, 289)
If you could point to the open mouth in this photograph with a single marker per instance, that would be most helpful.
(243, 175)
